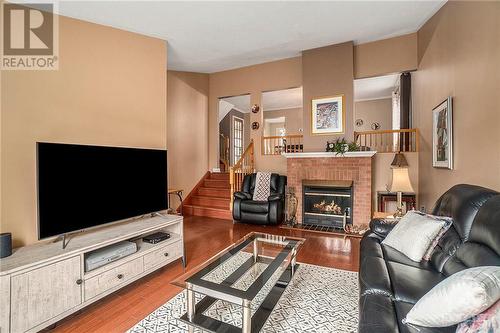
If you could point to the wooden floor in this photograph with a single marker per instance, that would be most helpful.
(204, 237)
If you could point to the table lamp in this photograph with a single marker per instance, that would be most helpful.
(400, 180)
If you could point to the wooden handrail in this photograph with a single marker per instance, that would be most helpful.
(389, 141)
(276, 145)
(244, 166)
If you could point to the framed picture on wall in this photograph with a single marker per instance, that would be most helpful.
(442, 135)
(328, 115)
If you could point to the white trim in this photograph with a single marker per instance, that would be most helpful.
(372, 99)
(285, 108)
(330, 154)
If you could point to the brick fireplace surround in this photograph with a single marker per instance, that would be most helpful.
(322, 166)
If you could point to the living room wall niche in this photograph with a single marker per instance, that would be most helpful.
(252, 80)
(187, 122)
(110, 89)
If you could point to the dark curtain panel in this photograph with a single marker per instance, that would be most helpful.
(405, 109)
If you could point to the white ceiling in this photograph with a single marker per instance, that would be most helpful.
(282, 99)
(214, 36)
(276, 120)
(240, 103)
(375, 88)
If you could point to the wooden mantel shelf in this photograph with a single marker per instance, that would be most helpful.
(330, 154)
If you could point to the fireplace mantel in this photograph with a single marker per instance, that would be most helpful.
(324, 154)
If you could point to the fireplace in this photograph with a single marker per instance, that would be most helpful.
(327, 203)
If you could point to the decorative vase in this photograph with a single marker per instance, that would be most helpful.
(291, 206)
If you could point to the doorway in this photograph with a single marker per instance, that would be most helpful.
(234, 129)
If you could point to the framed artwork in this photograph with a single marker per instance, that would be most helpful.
(442, 135)
(328, 115)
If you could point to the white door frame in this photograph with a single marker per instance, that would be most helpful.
(231, 144)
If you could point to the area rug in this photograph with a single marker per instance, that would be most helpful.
(318, 299)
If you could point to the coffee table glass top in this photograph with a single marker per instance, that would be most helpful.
(274, 254)
(251, 273)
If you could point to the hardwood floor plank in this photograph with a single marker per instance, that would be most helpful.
(204, 237)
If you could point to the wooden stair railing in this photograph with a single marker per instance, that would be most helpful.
(244, 166)
(224, 151)
(276, 145)
(389, 141)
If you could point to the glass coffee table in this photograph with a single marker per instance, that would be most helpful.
(241, 284)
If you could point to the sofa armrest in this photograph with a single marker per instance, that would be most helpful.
(382, 227)
(275, 197)
(242, 195)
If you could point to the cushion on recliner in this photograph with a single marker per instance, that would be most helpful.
(483, 246)
(374, 277)
(462, 203)
(410, 283)
(393, 255)
(251, 206)
(378, 315)
(486, 227)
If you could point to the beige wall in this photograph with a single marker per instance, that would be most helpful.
(293, 119)
(252, 80)
(187, 131)
(110, 89)
(460, 60)
(375, 110)
(327, 71)
(392, 55)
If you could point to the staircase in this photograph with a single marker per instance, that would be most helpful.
(211, 198)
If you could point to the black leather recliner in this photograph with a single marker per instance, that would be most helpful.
(390, 283)
(271, 211)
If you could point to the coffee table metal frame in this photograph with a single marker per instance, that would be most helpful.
(194, 316)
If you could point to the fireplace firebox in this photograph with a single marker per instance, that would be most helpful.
(327, 203)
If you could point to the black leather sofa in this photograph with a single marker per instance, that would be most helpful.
(271, 211)
(390, 283)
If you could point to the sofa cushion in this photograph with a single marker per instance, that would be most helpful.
(251, 206)
(462, 203)
(413, 234)
(402, 309)
(446, 249)
(410, 283)
(377, 315)
(457, 298)
(486, 227)
(374, 277)
(393, 255)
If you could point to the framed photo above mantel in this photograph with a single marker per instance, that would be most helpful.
(328, 115)
(442, 135)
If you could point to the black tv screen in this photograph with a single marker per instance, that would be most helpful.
(84, 186)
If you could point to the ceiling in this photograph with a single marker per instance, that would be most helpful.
(214, 36)
(240, 103)
(375, 87)
(282, 99)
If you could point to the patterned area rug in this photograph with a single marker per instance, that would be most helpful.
(318, 299)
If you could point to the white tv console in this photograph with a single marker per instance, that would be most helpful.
(43, 283)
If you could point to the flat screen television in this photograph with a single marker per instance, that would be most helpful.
(81, 186)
